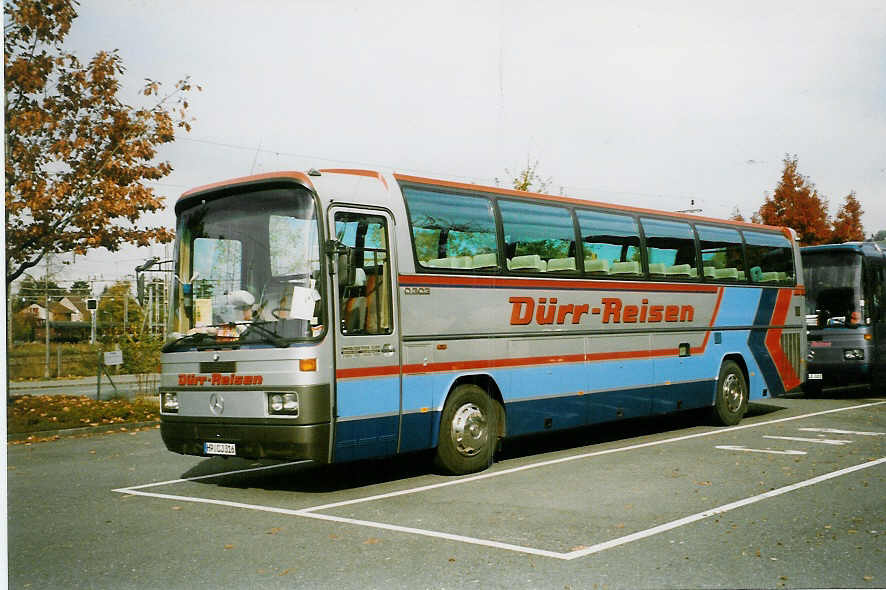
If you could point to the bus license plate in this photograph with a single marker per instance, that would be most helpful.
(217, 448)
(814, 377)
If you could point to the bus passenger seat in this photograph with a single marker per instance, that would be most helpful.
(657, 268)
(528, 262)
(768, 277)
(555, 264)
(631, 267)
(354, 303)
(461, 262)
(439, 263)
(597, 266)
(710, 272)
(726, 273)
(487, 260)
(678, 270)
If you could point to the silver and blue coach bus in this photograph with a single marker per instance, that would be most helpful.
(338, 315)
(846, 318)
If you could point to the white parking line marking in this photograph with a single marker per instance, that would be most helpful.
(311, 512)
(438, 535)
(821, 441)
(771, 451)
(222, 474)
(718, 510)
(491, 473)
(518, 548)
(837, 431)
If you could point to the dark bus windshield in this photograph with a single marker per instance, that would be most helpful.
(833, 288)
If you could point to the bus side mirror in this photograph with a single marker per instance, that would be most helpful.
(344, 262)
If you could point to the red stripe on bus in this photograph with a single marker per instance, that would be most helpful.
(355, 172)
(448, 367)
(461, 281)
(360, 372)
(300, 176)
(707, 334)
(786, 372)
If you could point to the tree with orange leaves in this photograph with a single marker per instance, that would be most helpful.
(796, 204)
(847, 224)
(77, 158)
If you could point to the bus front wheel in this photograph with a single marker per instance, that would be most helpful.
(731, 402)
(468, 431)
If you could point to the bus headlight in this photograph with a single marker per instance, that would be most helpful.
(853, 354)
(283, 403)
(169, 402)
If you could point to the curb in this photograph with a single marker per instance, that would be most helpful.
(67, 432)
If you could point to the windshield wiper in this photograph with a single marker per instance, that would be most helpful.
(197, 337)
(270, 335)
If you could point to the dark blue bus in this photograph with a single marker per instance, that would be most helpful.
(845, 315)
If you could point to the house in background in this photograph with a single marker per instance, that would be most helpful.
(79, 312)
(69, 319)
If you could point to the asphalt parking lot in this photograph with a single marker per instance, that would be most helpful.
(792, 497)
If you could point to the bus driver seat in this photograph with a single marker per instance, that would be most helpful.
(353, 307)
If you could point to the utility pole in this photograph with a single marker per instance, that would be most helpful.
(46, 313)
(9, 319)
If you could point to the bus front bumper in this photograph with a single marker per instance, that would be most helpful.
(252, 439)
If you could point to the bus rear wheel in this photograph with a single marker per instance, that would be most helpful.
(468, 431)
(731, 401)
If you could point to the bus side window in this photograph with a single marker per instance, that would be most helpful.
(721, 253)
(539, 238)
(452, 232)
(770, 258)
(670, 249)
(610, 243)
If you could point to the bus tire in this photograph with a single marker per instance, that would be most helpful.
(468, 431)
(731, 401)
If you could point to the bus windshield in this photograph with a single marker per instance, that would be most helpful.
(246, 270)
(833, 288)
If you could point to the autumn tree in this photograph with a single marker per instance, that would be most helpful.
(527, 179)
(78, 158)
(795, 203)
(847, 223)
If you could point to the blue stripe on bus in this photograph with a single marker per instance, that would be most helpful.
(358, 397)
(757, 342)
(610, 390)
(367, 438)
(738, 305)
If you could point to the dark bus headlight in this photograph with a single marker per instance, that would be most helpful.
(169, 402)
(283, 403)
(853, 354)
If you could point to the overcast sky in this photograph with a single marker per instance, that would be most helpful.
(653, 104)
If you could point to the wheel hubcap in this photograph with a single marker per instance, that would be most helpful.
(469, 430)
(733, 393)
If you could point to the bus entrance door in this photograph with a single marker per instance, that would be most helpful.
(367, 360)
